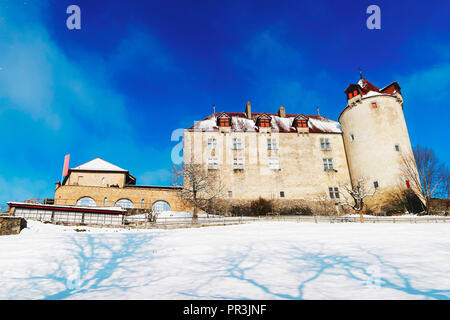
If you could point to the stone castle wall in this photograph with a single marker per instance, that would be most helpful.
(69, 195)
(302, 174)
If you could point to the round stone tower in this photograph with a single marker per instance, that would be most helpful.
(375, 136)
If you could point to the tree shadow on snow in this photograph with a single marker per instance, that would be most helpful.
(96, 262)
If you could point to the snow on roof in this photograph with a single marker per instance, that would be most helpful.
(369, 90)
(239, 122)
(372, 93)
(78, 208)
(98, 164)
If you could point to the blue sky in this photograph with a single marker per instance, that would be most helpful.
(138, 70)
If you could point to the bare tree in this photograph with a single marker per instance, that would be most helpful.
(426, 176)
(357, 196)
(200, 187)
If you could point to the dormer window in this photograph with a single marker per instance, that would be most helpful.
(350, 95)
(301, 123)
(263, 120)
(263, 123)
(224, 122)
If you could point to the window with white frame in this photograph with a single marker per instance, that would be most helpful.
(327, 164)
(213, 163)
(274, 163)
(272, 144)
(86, 202)
(334, 192)
(238, 163)
(124, 203)
(212, 143)
(237, 143)
(325, 144)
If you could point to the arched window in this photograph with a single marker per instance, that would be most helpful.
(86, 202)
(124, 203)
(105, 201)
(142, 203)
(160, 205)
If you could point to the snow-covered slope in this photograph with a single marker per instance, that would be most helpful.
(266, 260)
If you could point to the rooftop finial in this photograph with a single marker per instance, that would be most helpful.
(360, 73)
(214, 107)
(318, 111)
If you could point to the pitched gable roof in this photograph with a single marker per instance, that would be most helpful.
(98, 164)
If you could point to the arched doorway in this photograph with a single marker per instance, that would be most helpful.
(160, 206)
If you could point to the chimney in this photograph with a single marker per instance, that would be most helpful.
(282, 112)
(248, 110)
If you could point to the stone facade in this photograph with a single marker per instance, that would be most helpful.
(275, 156)
(301, 173)
(370, 144)
(96, 179)
(69, 195)
(376, 139)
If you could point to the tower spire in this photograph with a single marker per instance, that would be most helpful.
(360, 73)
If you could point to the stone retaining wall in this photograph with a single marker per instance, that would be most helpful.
(11, 225)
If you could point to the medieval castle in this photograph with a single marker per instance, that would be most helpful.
(270, 155)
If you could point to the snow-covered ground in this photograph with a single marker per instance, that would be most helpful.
(259, 260)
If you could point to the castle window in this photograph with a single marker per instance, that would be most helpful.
(355, 93)
(272, 144)
(328, 164)
(86, 202)
(274, 163)
(212, 143)
(263, 123)
(375, 184)
(237, 143)
(105, 201)
(230, 194)
(124, 203)
(103, 180)
(238, 163)
(213, 163)
(160, 206)
(374, 105)
(350, 95)
(397, 147)
(224, 122)
(352, 137)
(325, 144)
(281, 194)
(333, 192)
(142, 203)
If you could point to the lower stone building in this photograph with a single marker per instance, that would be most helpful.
(101, 184)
